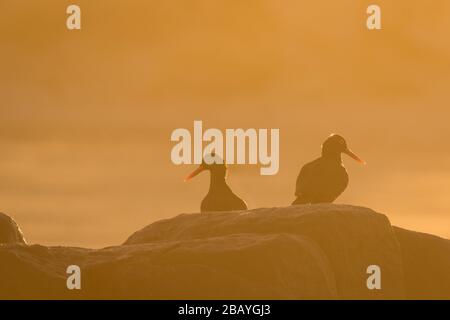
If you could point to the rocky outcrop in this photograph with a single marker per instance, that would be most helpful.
(10, 231)
(351, 238)
(298, 252)
(426, 263)
(239, 266)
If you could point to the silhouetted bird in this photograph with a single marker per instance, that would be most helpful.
(220, 197)
(324, 179)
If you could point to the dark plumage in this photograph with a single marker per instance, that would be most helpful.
(220, 197)
(324, 179)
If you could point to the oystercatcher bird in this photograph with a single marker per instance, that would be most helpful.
(324, 179)
(220, 197)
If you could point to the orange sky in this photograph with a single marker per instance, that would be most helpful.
(86, 116)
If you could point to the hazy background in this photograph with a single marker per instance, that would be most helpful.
(86, 116)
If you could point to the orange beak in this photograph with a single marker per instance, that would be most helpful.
(194, 173)
(354, 156)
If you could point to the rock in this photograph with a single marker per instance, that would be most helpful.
(352, 238)
(10, 232)
(426, 263)
(242, 266)
(298, 252)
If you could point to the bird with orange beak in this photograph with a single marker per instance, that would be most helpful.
(324, 179)
(220, 197)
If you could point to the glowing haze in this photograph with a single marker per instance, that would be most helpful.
(86, 115)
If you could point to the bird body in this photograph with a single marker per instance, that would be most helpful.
(324, 179)
(321, 181)
(220, 197)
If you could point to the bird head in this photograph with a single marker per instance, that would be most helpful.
(212, 163)
(335, 145)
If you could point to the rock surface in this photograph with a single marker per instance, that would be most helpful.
(9, 231)
(352, 238)
(426, 263)
(298, 252)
